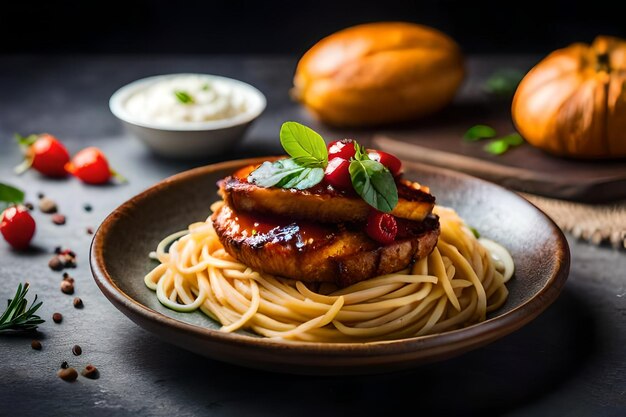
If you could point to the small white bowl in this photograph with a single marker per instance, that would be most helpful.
(193, 139)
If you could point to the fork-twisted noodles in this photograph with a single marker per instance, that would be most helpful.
(461, 281)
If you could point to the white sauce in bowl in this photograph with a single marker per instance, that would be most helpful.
(186, 99)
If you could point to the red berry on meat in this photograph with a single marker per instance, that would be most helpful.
(337, 174)
(343, 148)
(393, 164)
(382, 227)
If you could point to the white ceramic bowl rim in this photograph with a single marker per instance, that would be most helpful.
(255, 99)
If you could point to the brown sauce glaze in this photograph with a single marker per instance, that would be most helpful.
(258, 230)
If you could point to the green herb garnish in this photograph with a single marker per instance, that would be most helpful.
(503, 144)
(308, 160)
(474, 232)
(304, 169)
(206, 87)
(184, 97)
(374, 183)
(479, 132)
(503, 82)
(305, 146)
(16, 316)
(286, 173)
(10, 195)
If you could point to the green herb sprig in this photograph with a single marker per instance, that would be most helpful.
(503, 144)
(497, 146)
(304, 169)
(373, 181)
(479, 132)
(184, 97)
(16, 316)
(308, 160)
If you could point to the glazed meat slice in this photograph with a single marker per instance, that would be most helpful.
(316, 252)
(320, 203)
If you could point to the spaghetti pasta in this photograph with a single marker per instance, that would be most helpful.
(461, 281)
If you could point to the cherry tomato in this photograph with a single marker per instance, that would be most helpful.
(90, 166)
(45, 154)
(337, 174)
(390, 161)
(343, 148)
(17, 227)
(382, 227)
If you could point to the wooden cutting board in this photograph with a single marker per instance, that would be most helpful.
(439, 142)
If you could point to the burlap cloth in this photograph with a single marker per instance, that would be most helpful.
(600, 224)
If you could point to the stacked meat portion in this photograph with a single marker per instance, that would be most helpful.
(318, 234)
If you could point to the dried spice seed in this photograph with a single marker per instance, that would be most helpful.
(67, 286)
(57, 250)
(58, 219)
(77, 350)
(68, 259)
(87, 207)
(89, 231)
(68, 374)
(78, 303)
(57, 317)
(29, 206)
(55, 263)
(40, 195)
(47, 205)
(64, 259)
(64, 365)
(35, 344)
(90, 372)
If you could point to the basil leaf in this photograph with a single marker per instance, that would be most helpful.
(479, 132)
(375, 184)
(270, 174)
(184, 97)
(360, 152)
(501, 145)
(514, 139)
(304, 145)
(11, 195)
(308, 178)
(497, 147)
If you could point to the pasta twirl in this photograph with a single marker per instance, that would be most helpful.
(461, 281)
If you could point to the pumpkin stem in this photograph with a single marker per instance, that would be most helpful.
(603, 62)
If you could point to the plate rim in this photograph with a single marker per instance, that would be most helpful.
(460, 339)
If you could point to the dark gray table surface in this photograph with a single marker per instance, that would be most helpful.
(571, 360)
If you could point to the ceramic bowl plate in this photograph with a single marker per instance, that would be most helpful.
(193, 140)
(119, 261)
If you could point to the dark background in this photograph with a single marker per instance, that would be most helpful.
(279, 27)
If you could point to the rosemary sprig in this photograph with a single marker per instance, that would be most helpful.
(16, 316)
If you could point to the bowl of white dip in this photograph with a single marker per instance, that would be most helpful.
(188, 115)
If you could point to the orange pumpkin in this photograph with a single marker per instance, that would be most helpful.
(379, 73)
(573, 103)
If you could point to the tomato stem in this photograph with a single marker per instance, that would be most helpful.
(119, 177)
(24, 166)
